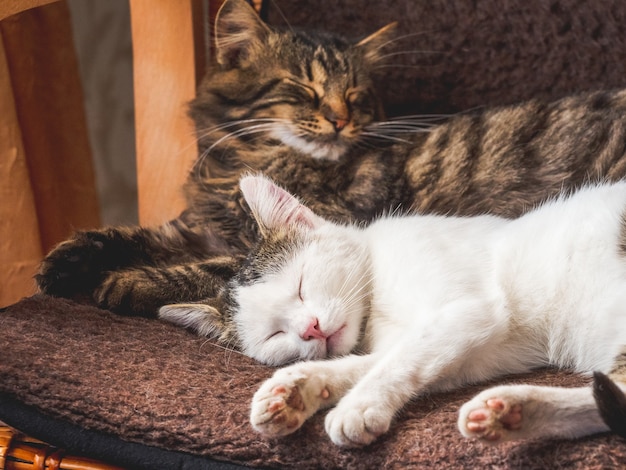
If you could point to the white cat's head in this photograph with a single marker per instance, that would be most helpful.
(303, 292)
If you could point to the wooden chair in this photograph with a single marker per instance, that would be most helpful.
(46, 177)
(47, 183)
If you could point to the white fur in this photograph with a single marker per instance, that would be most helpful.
(274, 305)
(198, 317)
(317, 149)
(447, 301)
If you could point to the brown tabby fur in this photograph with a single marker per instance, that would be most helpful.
(503, 161)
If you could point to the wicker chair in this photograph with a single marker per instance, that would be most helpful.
(19, 452)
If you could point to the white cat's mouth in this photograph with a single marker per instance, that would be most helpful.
(334, 341)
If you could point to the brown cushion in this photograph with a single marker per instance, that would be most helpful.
(491, 52)
(148, 382)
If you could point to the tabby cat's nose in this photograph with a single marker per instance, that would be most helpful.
(337, 113)
(338, 123)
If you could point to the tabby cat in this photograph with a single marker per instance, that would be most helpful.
(431, 303)
(300, 107)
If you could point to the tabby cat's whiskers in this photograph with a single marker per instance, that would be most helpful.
(394, 54)
(251, 127)
(404, 36)
(377, 135)
(409, 125)
(241, 122)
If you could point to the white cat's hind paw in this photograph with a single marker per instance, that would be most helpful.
(513, 412)
(491, 417)
(284, 402)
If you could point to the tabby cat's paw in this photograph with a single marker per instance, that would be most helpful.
(127, 292)
(357, 423)
(285, 401)
(75, 266)
(491, 417)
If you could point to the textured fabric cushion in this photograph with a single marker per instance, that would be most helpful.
(146, 382)
(460, 54)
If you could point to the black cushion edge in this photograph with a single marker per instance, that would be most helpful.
(97, 445)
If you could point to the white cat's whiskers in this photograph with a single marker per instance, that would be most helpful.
(228, 349)
(358, 295)
(357, 286)
(348, 281)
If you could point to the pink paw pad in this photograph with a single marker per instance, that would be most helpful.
(489, 422)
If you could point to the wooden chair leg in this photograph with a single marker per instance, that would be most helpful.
(18, 451)
(166, 66)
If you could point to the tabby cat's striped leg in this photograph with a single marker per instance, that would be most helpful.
(141, 291)
(80, 264)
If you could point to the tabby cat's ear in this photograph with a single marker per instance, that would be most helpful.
(275, 208)
(374, 43)
(238, 32)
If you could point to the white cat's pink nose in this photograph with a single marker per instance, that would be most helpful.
(313, 331)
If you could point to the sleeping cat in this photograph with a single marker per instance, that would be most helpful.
(422, 303)
(300, 107)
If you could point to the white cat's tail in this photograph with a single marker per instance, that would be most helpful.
(611, 402)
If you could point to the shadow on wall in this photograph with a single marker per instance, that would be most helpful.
(103, 45)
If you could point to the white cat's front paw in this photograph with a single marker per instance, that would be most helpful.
(285, 401)
(493, 416)
(357, 424)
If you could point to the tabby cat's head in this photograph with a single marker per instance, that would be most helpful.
(310, 91)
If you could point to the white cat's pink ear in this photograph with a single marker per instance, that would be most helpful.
(238, 31)
(273, 207)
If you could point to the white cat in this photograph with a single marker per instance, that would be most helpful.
(417, 304)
